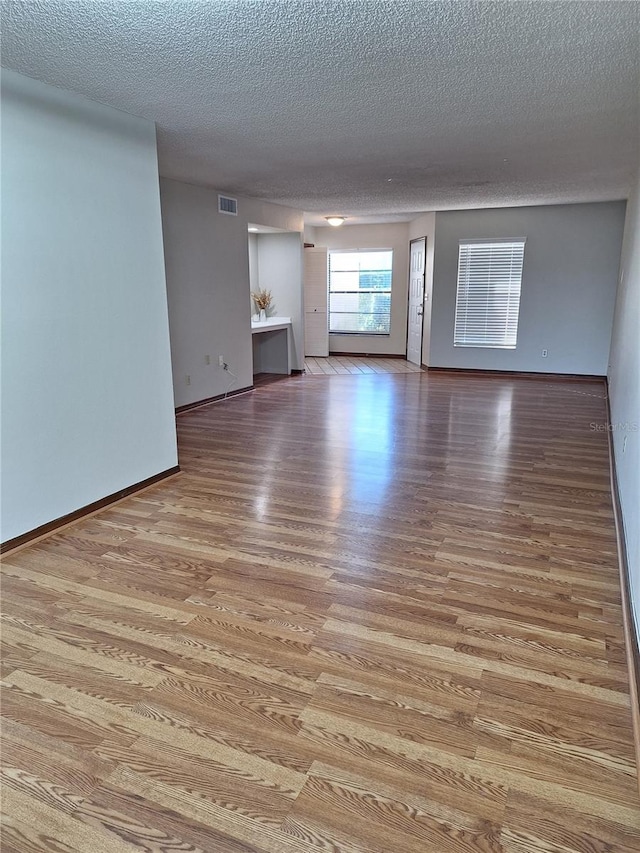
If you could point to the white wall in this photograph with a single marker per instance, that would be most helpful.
(624, 392)
(274, 215)
(254, 273)
(206, 255)
(568, 287)
(387, 236)
(87, 404)
(207, 263)
(425, 226)
(280, 271)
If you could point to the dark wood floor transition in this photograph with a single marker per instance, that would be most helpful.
(374, 614)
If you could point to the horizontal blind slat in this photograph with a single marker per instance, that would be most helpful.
(488, 293)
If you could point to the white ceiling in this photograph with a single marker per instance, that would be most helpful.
(374, 109)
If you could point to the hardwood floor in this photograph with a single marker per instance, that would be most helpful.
(370, 616)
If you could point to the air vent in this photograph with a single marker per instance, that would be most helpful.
(227, 205)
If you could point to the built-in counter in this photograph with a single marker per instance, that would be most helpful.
(271, 345)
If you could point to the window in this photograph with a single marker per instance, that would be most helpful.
(488, 298)
(360, 292)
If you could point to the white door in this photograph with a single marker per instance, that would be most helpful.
(416, 300)
(316, 296)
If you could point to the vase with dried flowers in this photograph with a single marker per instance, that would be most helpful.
(262, 300)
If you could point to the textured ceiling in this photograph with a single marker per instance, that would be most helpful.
(372, 109)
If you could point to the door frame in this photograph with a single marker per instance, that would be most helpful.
(424, 272)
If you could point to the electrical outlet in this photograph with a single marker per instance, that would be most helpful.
(545, 353)
(188, 379)
(220, 361)
(207, 359)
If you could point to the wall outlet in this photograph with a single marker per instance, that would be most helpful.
(207, 359)
(188, 379)
(545, 353)
(220, 361)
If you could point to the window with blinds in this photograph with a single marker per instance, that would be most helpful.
(488, 295)
(360, 292)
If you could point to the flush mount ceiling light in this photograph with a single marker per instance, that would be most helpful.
(335, 220)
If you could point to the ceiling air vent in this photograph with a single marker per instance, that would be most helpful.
(227, 205)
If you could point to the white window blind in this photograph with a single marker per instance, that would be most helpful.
(488, 295)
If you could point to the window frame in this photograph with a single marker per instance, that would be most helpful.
(388, 291)
(506, 302)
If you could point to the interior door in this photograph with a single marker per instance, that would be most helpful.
(316, 296)
(416, 300)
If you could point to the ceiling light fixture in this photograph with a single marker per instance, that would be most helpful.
(335, 220)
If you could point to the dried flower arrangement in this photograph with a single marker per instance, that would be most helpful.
(262, 299)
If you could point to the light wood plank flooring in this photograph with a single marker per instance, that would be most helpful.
(357, 365)
(370, 616)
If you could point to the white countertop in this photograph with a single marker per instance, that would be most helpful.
(271, 324)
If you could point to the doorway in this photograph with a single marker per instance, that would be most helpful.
(417, 255)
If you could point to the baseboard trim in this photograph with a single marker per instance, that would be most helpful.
(630, 636)
(297, 372)
(57, 524)
(519, 374)
(187, 408)
(364, 354)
